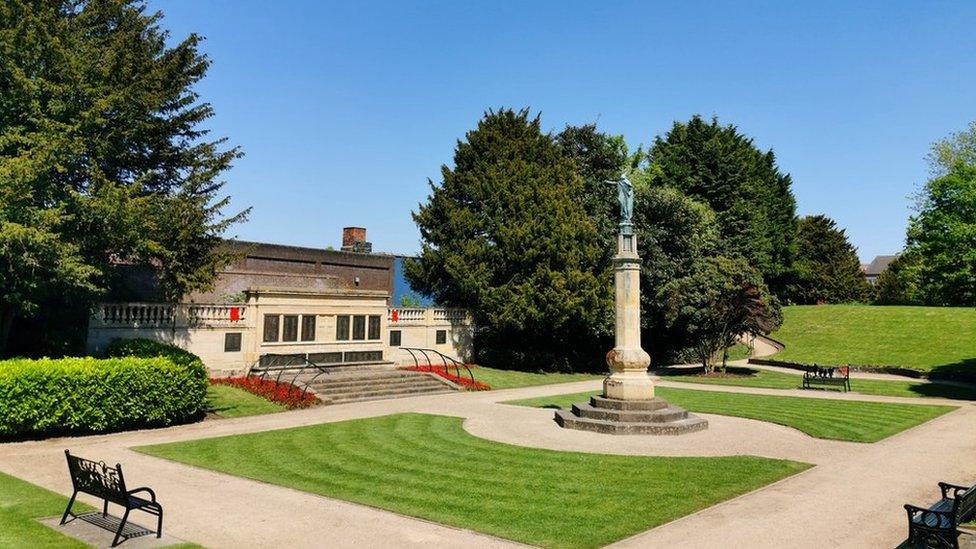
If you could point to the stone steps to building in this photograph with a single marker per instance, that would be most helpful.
(381, 395)
(566, 418)
(374, 385)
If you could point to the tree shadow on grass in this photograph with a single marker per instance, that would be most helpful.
(964, 370)
(730, 371)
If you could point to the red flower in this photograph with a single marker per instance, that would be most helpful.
(283, 393)
(442, 371)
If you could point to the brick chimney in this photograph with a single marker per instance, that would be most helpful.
(354, 240)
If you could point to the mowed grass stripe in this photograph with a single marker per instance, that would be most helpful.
(849, 420)
(428, 466)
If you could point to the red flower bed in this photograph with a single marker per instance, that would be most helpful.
(444, 373)
(283, 393)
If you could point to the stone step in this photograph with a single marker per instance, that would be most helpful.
(327, 383)
(385, 395)
(628, 405)
(566, 418)
(330, 375)
(671, 413)
(400, 387)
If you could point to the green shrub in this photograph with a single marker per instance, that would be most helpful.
(149, 348)
(88, 395)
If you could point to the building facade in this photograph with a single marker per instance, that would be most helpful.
(291, 304)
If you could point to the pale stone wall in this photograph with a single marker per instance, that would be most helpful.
(418, 328)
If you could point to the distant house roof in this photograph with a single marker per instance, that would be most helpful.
(878, 264)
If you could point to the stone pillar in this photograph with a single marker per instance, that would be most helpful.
(628, 379)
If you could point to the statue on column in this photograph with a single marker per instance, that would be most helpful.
(625, 195)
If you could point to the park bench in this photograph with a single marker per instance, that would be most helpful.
(936, 526)
(108, 484)
(827, 377)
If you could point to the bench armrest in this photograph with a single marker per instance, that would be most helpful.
(920, 513)
(144, 489)
(951, 491)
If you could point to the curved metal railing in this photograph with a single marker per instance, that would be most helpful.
(448, 361)
(294, 370)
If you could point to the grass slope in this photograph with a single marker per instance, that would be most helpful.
(20, 504)
(227, 401)
(849, 420)
(922, 338)
(508, 379)
(752, 377)
(427, 466)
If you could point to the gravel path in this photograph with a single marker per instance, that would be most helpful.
(852, 498)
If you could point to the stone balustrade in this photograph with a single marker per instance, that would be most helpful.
(427, 316)
(157, 315)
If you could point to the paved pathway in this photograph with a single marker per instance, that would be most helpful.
(852, 498)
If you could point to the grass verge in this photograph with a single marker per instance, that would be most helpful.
(508, 379)
(21, 503)
(427, 466)
(849, 420)
(768, 379)
(937, 339)
(228, 401)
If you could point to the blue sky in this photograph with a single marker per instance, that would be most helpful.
(345, 109)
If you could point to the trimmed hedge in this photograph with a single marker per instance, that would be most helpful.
(148, 348)
(88, 395)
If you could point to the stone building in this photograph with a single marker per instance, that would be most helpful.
(287, 303)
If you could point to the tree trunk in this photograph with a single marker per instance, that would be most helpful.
(6, 322)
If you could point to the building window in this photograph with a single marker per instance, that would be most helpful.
(363, 356)
(289, 328)
(394, 338)
(308, 327)
(440, 337)
(359, 327)
(232, 343)
(374, 327)
(342, 328)
(270, 328)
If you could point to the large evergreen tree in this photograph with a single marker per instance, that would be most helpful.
(505, 235)
(102, 157)
(755, 208)
(826, 269)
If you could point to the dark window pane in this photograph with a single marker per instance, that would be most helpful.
(308, 327)
(374, 327)
(270, 328)
(441, 337)
(394, 338)
(232, 343)
(359, 327)
(289, 328)
(342, 328)
(363, 356)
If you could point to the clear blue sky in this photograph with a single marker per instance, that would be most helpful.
(345, 109)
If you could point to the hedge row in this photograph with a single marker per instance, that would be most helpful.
(87, 395)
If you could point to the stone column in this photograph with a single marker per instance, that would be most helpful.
(628, 379)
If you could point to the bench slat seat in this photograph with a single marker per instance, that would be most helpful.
(936, 525)
(108, 484)
(827, 376)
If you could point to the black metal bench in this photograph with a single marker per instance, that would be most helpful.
(937, 525)
(827, 377)
(108, 484)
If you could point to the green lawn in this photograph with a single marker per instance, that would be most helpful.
(20, 504)
(427, 466)
(753, 377)
(821, 418)
(507, 379)
(227, 401)
(922, 338)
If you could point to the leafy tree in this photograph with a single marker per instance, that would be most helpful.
(755, 208)
(958, 148)
(410, 301)
(898, 284)
(942, 235)
(102, 158)
(673, 233)
(826, 269)
(721, 299)
(506, 236)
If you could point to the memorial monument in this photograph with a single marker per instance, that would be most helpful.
(628, 404)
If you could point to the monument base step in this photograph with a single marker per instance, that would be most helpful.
(634, 417)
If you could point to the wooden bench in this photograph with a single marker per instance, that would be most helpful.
(827, 377)
(108, 484)
(937, 525)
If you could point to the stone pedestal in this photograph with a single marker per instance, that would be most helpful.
(628, 404)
